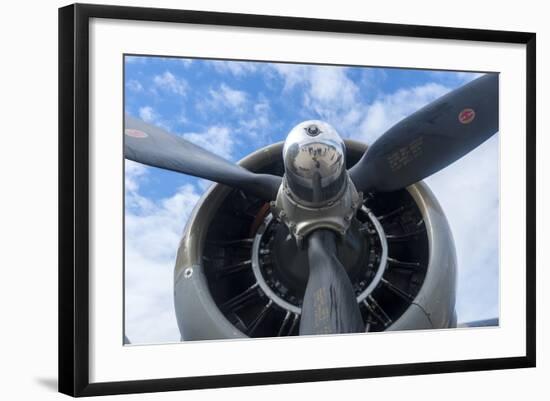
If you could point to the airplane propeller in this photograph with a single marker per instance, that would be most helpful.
(148, 144)
(431, 138)
(329, 304)
(413, 149)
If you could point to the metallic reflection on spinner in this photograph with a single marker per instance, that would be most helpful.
(315, 163)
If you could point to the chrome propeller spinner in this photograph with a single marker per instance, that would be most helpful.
(316, 191)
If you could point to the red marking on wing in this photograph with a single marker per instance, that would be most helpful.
(466, 116)
(134, 133)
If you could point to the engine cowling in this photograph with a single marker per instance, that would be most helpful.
(238, 274)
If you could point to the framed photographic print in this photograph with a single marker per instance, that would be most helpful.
(250, 199)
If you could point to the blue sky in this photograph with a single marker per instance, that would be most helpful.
(233, 108)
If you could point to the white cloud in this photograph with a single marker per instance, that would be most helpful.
(133, 172)
(257, 125)
(156, 231)
(224, 98)
(387, 110)
(330, 94)
(236, 68)
(465, 77)
(229, 97)
(455, 78)
(171, 83)
(330, 86)
(186, 62)
(215, 139)
(468, 191)
(136, 59)
(153, 230)
(182, 117)
(334, 97)
(134, 85)
(327, 85)
(292, 74)
(148, 114)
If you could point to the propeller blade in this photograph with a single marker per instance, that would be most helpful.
(147, 144)
(431, 138)
(330, 305)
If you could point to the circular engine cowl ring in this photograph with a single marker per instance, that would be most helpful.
(409, 285)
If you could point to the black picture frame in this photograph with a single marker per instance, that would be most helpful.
(74, 194)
